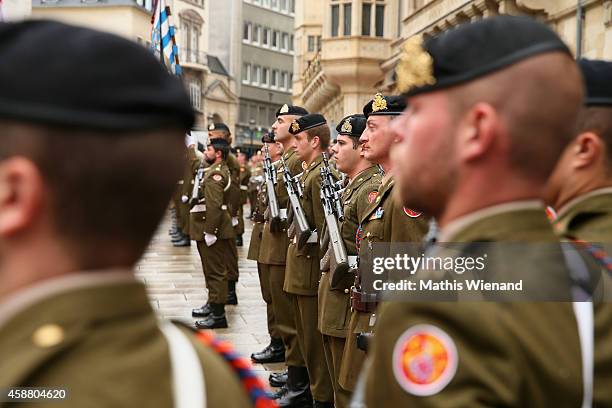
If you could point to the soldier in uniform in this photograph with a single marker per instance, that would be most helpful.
(259, 217)
(312, 137)
(72, 314)
(382, 221)
(221, 131)
(211, 227)
(272, 256)
(243, 180)
(334, 300)
(476, 149)
(580, 189)
(255, 181)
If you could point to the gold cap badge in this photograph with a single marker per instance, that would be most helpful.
(379, 103)
(48, 335)
(211, 126)
(415, 68)
(295, 126)
(346, 126)
(284, 109)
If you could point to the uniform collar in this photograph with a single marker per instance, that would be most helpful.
(594, 202)
(361, 178)
(497, 222)
(289, 153)
(579, 201)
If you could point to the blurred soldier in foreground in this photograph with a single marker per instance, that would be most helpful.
(311, 134)
(334, 298)
(221, 131)
(476, 149)
(580, 189)
(81, 194)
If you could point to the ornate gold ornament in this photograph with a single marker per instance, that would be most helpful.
(346, 126)
(379, 103)
(415, 68)
(284, 109)
(295, 126)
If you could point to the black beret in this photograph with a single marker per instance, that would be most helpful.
(291, 110)
(218, 142)
(384, 105)
(268, 137)
(218, 126)
(471, 51)
(352, 125)
(598, 80)
(64, 75)
(307, 122)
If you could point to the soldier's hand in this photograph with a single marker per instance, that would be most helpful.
(235, 221)
(210, 239)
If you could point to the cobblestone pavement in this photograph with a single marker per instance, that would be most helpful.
(175, 284)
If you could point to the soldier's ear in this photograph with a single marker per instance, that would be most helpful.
(588, 149)
(22, 193)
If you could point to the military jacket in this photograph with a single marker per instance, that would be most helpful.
(477, 354)
(258, 210)
(274, 244)
(211, 214)
(303, 266)
(234, 190)
(257, 174)
(99, 339)
(589, 218)
(334, 305)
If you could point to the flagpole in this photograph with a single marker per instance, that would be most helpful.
(161, 40)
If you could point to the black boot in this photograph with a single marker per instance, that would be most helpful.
(184, 241)
(273, 353)
(239, 240)
(278, 379)
(215, 320)
(323, 404)
(201, 311)
(232, 299)
(298, 389)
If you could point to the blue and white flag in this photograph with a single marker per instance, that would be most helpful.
(162, 37)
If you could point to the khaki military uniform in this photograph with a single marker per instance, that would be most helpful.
(258, 209)
(335, 303)
(513, 354)
(302, 280)
(211, 215)
(234, 208)
(272, 257)
(243, 180)
(384, 221)
(589, 218)
(255, 182)
(98, 338)
(185, 188)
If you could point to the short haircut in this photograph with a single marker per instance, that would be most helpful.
(224, 149)
(598, 119)
(322, 132)
(107, 192)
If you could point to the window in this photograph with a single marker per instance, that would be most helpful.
(256, 30)
(290, 86)
(284, 80)
(311, 43)
(265, 75)
(318, 43)
(256, 74)
(275, 39)
(263, 114)
(292, 6)
(274, 80)
(380, 20)
(335, 17)
(266, 37)
(291, 43)
(285, 42)
(283, 5)
(246, 33)
(195, 94)
(246, 73)
(243, 113)
(190, 38)
(275, 4)
(366, 19)
(347, 18)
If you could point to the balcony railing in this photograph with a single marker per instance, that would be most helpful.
(188, 56)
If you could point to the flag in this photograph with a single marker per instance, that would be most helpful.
(163, 39)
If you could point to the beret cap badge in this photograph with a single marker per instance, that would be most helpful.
(211, 126)
(379, 103)
(295, 126)
(284, 109)
(415, 68)
(347, 127)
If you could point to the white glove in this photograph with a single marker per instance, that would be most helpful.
(210, 239)
(189, 140)
(234, 221)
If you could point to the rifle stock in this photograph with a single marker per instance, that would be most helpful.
(303, 232)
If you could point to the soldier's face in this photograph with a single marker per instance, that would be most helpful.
(423, 159)
(377, 139)
(281, 127)
(347, 157)
(210, 155)
(303, 147)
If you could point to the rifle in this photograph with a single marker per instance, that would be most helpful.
(270, 177)
(196, 186)
(332, 207)
(303, 232)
